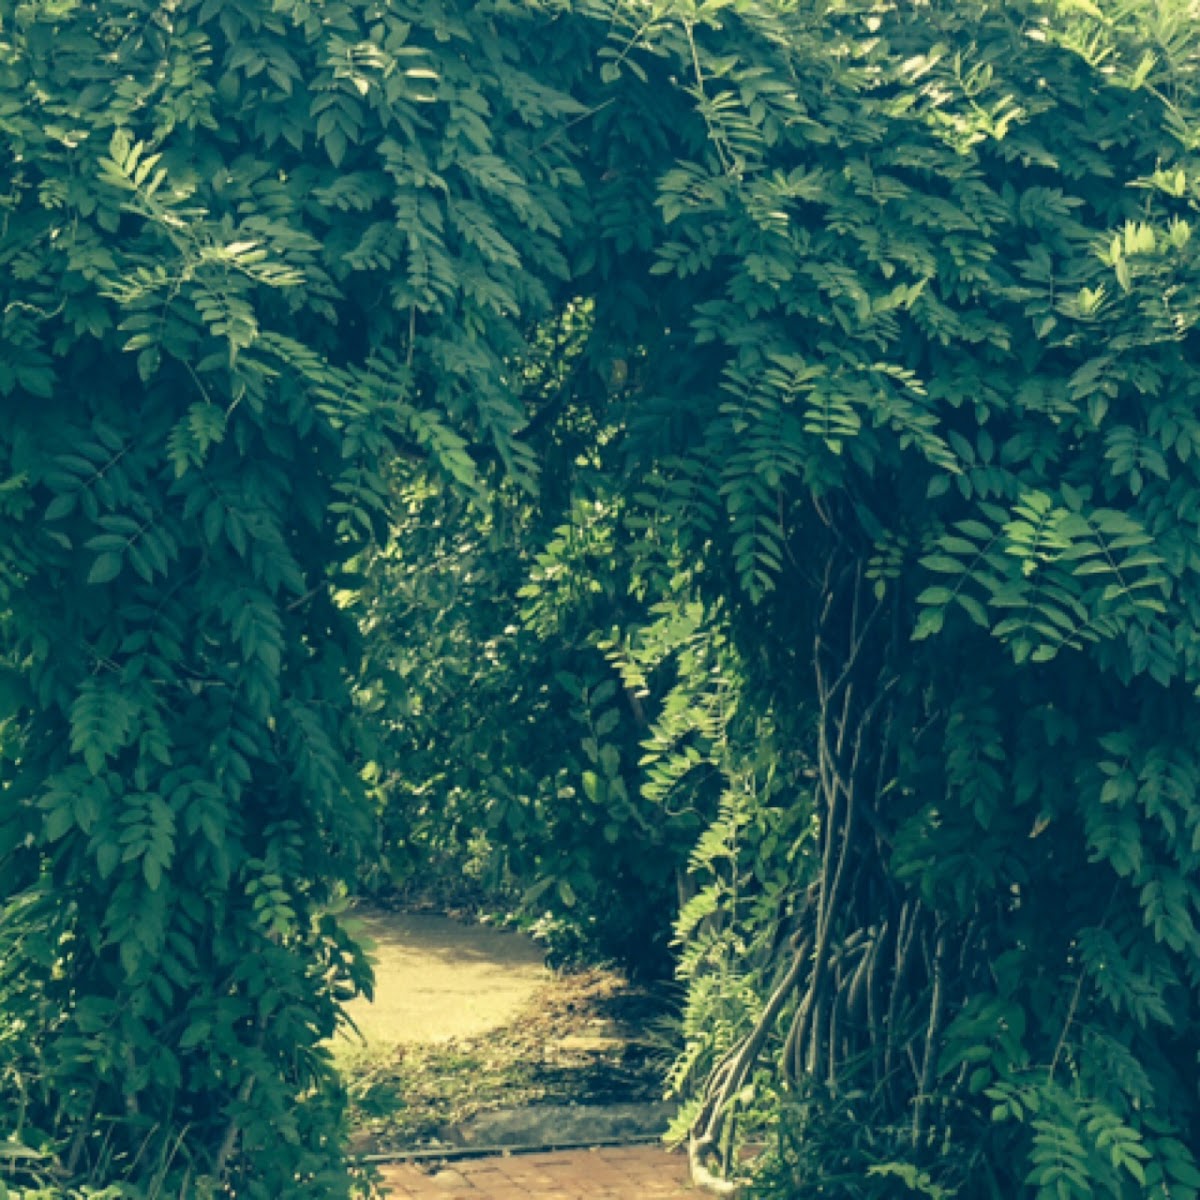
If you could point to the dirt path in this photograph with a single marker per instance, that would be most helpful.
(437, 979)
(621, 1173)
(440, 981)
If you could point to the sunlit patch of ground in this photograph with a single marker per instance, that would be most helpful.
(586, 1038)
(438, 979)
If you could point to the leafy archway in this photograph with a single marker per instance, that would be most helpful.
(865, 531)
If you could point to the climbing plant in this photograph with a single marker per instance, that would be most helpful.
(505, 740)
(251, 253)
(929, 438)
(904, 298)
(802, 395)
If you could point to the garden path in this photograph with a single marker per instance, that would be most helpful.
(436, 978)
(613, 1173)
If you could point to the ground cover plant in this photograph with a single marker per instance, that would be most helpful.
(759, 442)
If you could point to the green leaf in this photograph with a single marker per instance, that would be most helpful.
(106, 568)
(929, 622)
(61, 506)
(943, 564)
(974, 609)
(935, 595)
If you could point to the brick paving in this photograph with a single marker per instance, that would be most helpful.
(611, 1173)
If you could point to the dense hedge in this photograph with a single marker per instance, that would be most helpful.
(862, 491)
(928, 443)
(249, 251)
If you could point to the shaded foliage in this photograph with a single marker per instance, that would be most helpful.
(906, 313)
(782, 414)
(251, 251)
(934, 466)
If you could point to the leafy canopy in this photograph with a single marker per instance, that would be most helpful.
(869, 476)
